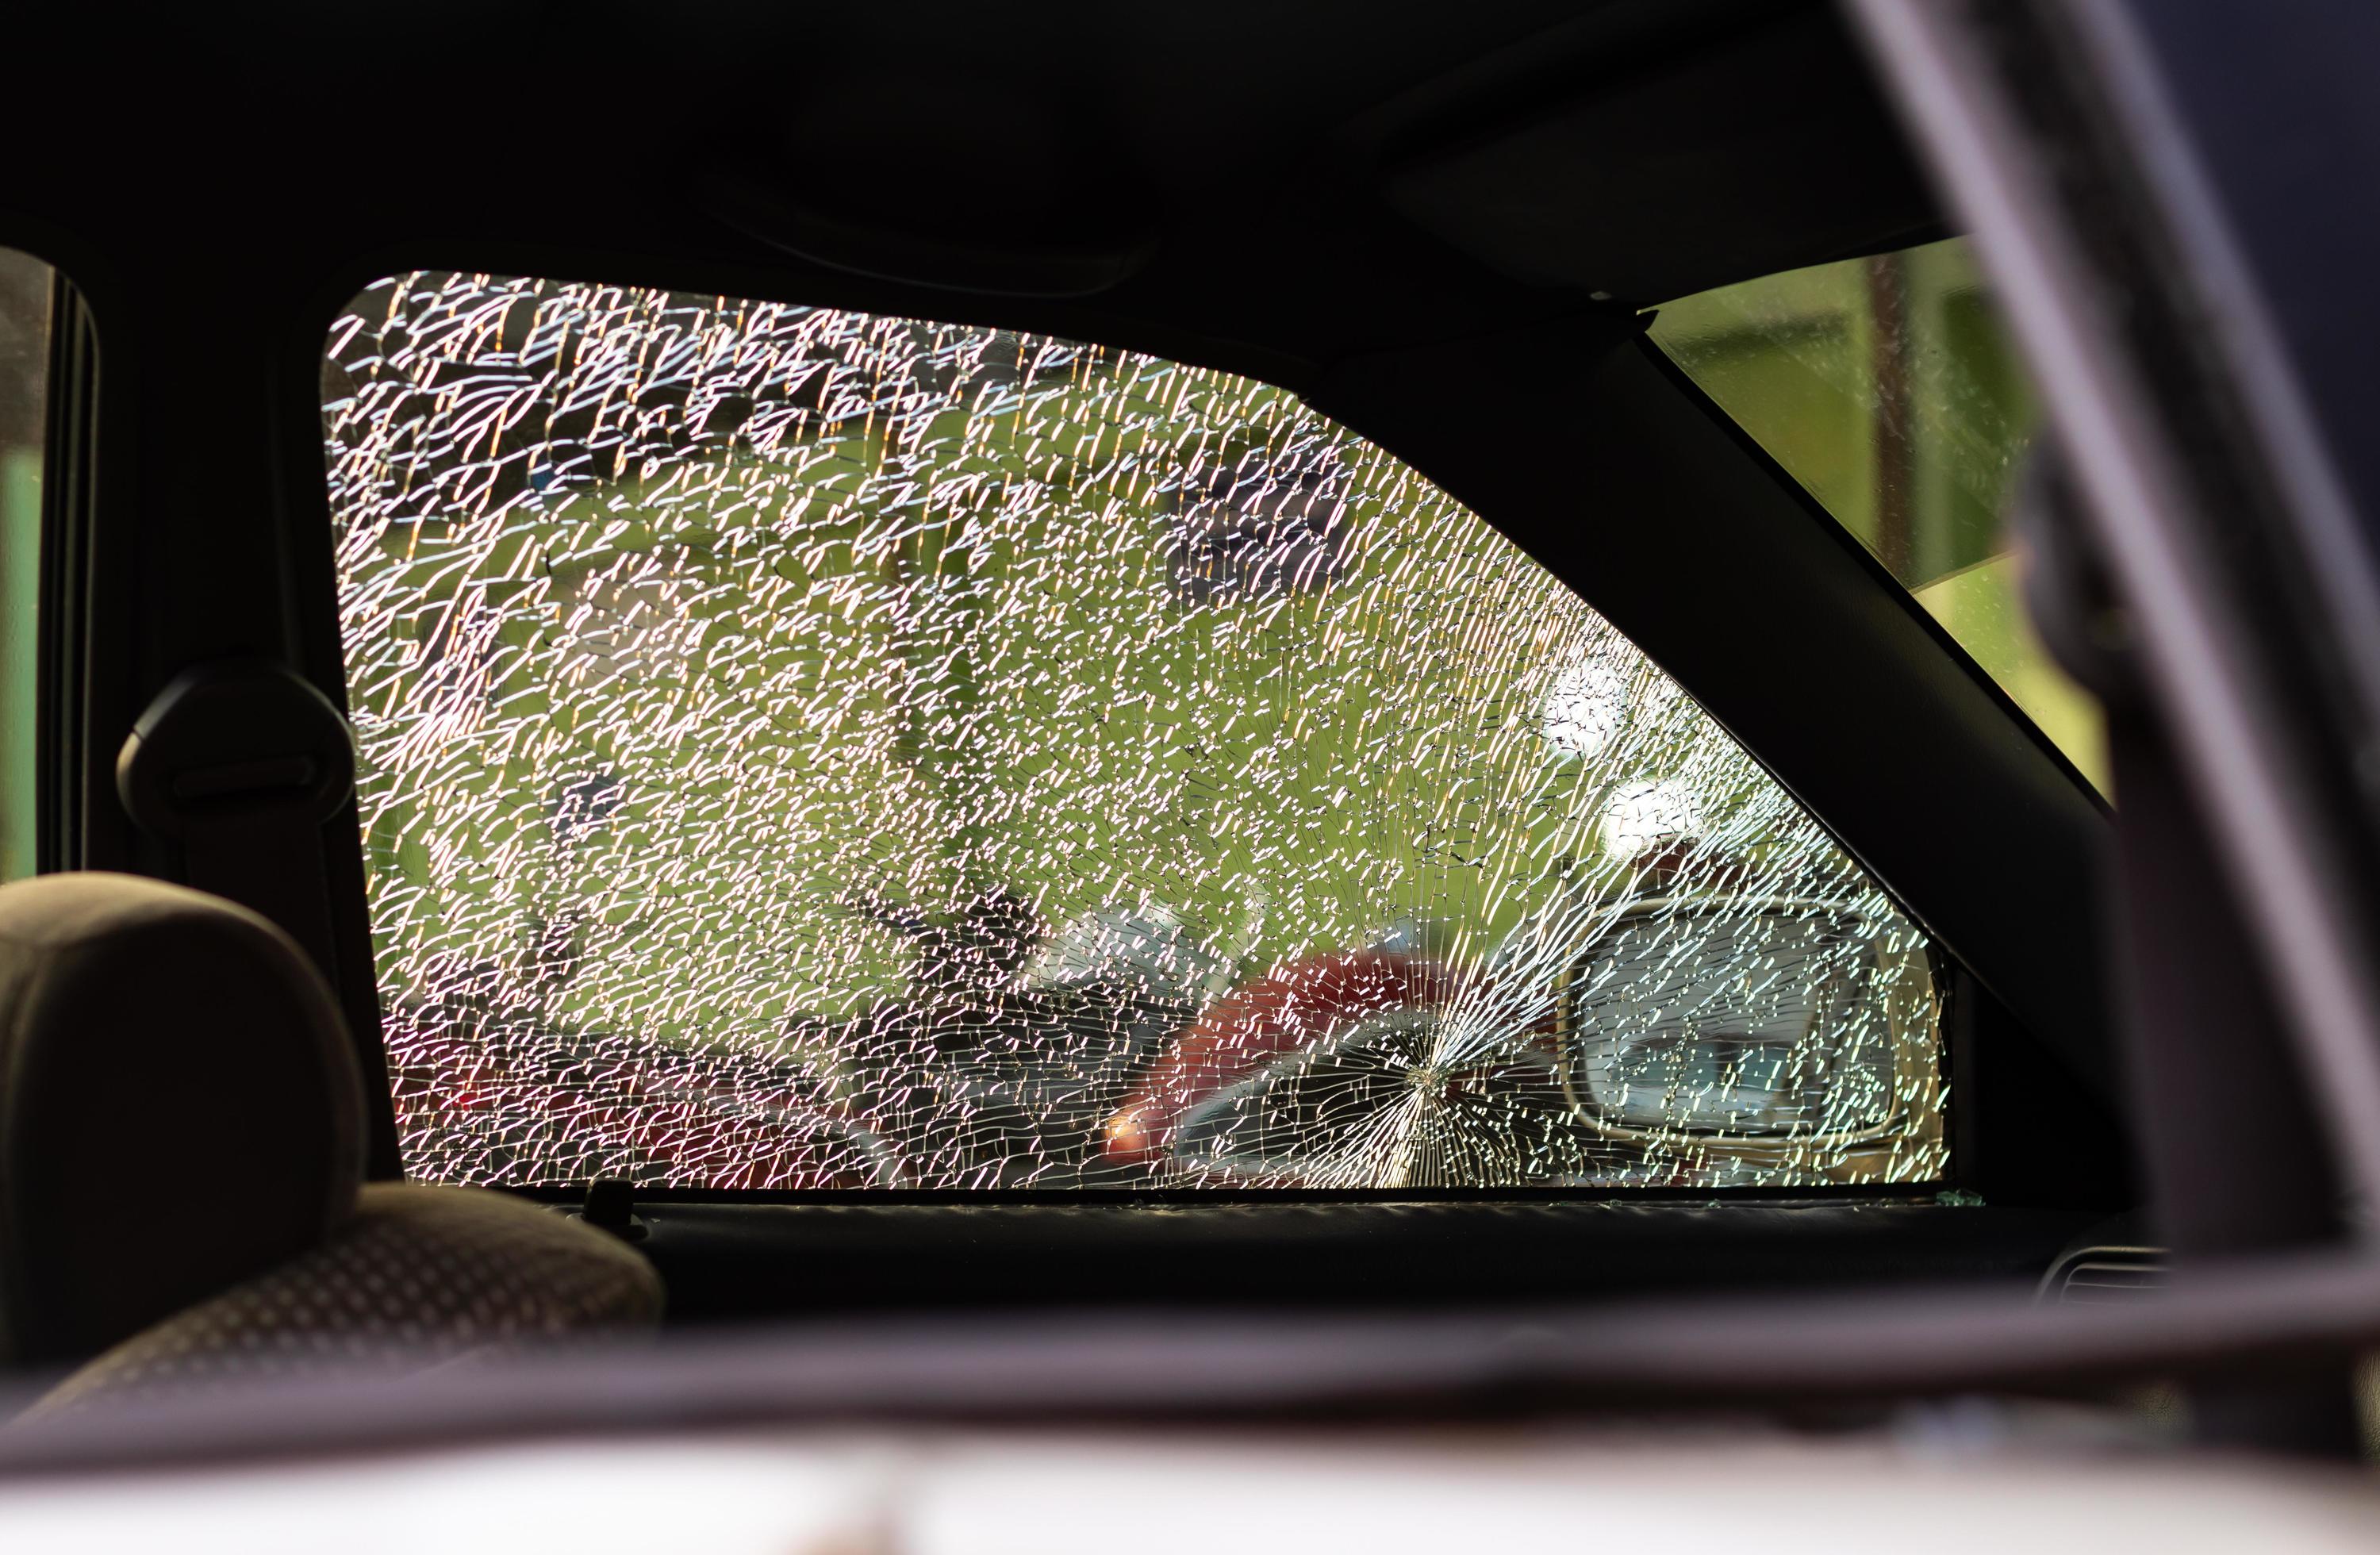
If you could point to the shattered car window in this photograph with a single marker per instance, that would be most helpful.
(809, 749)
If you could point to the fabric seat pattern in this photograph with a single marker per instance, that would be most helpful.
(420, 1277)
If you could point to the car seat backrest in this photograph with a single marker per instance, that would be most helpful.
(179, 1107)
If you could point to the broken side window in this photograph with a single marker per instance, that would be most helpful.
(804, 749)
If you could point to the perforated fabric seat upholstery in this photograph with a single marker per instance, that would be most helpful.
(181, 1161)
(419, 1276)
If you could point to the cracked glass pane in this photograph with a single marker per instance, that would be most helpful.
(25, 286)
(1887, 387)
(810, 749)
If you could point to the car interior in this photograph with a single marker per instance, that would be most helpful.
(738, 667)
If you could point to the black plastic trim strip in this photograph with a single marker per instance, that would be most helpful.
(69, 473)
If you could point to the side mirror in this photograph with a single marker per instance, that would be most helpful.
(1706, 1041)
(1721, 1039)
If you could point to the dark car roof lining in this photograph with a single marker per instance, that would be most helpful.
(1683, 166)
(1258, 182)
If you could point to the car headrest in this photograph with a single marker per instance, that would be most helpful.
(179, 1107)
